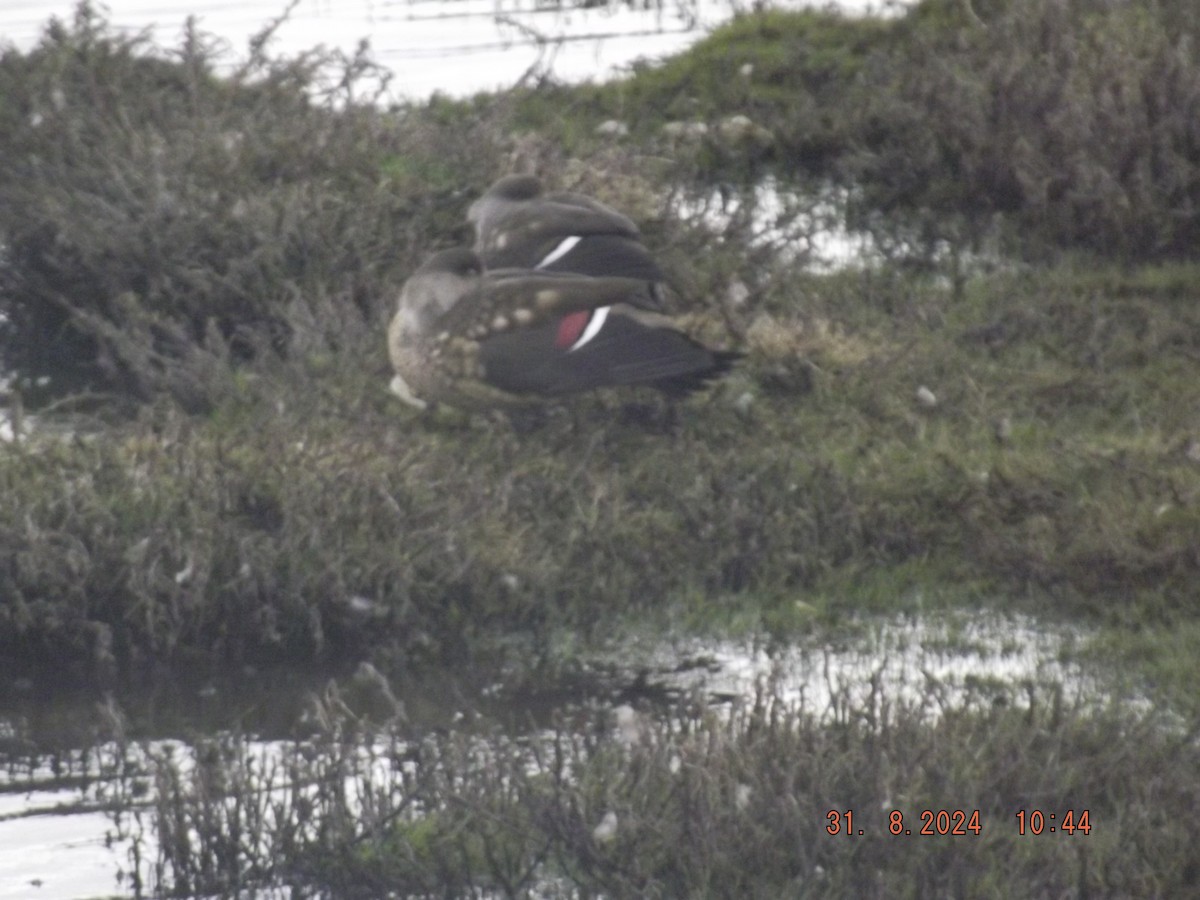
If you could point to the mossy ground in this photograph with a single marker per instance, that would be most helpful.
(311, 516)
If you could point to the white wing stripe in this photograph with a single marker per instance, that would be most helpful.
(559, 252)
(595, 323)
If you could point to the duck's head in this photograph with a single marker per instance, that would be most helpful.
(433, 290)
(501, 198)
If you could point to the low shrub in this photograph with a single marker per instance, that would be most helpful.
(163, 217)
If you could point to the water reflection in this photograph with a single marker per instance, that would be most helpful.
(56, 838)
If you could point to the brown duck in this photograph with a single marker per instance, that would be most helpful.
(561, 297)
(479, 340)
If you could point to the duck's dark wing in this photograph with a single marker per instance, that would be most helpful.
(605, 347)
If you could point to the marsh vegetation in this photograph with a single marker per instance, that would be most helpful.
(1002, 412)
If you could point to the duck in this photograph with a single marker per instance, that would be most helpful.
(518, 225)
(478, 337)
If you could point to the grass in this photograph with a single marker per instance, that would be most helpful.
(252, 533)
(708, 802)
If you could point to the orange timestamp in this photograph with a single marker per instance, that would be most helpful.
(962, 822)
(1035, 821)
(932, 821)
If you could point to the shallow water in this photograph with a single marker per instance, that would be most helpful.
(55, 842)
(954, 657)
